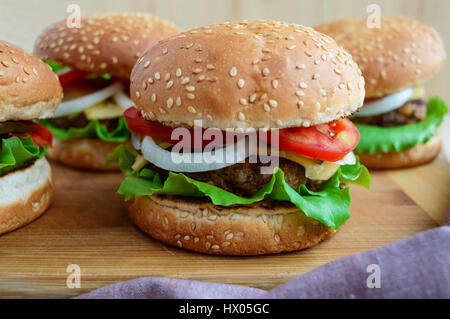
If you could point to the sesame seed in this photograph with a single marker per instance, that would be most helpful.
(252, 98)
(138, 95)
(266, 50)
(278, 122)
(300, 66)
(341, 85)
(190, 96)
(114, 60)
(300, 103)
(308, 53)
(266, 107)
(144, 85)
(255, 61)
(178, 72)
(165, 51)
(290, 47)
(233, 71)
(184, 80)
(178, 101)
(300, 93)
(190, 88)
(316, 76)
(150, 80)
(273, 103)
(240, 83)
(167, 77)
(169, 102)
(157, 76)
(265, 72)
(303, 85)
(210, 67)
(154, 97)
(169, 84)
(5, 64)
(192, 109)
(243, 101)
(275, 84)
(323, 92)
(198, 60)
(241, 116)
(197, 70)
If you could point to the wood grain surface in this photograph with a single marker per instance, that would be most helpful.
(88, 226)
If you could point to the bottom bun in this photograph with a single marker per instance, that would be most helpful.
(263, 228)
(25, 194)
(85, 153)
(417, 155)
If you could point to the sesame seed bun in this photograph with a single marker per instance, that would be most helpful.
(25, 194)
(105, 43)
(84, 153)
(417, 155)
(249, 74)
(28, 87)
(398, 55)
(193, 224)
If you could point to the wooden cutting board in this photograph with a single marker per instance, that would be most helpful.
(88, 226)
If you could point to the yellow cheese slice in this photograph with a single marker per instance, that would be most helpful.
(418, 93)
(314, 169)
(106, 110)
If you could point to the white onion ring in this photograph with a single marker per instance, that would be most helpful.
(136, 141)
(386, 104)
(197, 162)
(123, 100)
(348, 159)
(77, 105)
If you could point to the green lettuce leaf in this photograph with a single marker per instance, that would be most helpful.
(329, 205)
(56, 67)
(94, 129)
(399, 138)
(16, 151)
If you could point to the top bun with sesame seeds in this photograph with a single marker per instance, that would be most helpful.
(249, 74)
(104, 43)
(28, 87)
(398, 55)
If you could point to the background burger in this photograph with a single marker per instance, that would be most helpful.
(94, 63)
(237, 77)
(398, 128)
(28, 90)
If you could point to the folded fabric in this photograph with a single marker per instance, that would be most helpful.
(415, 267)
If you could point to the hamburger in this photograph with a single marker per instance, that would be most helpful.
(28, 90)
(94, 63)
(398, 127)
(282, 84)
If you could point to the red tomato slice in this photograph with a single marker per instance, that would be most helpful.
(71, 76)
(139, 125)
(329, 142)
(41, 135)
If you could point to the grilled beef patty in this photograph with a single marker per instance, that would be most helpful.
(245, 179)
(81, 121)
(413, 111)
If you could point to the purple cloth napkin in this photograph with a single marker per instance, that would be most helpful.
(415, 267)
